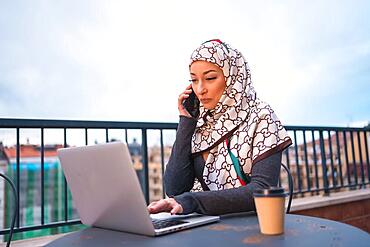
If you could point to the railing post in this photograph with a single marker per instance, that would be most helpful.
(333, 169)
(65, 189)
(346, 158)
(323, 164)
(361, 159)
(42, 178)
(106, 135)
(315, 161)
(162, 163)
(354, 164)
(367, 157)
(18, 178)
(145, 163)
(297, 162)
(339, 158)
(308, 179)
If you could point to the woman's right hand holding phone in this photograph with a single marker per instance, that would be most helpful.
(184, 95)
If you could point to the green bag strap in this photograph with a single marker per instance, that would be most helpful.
(243, 178)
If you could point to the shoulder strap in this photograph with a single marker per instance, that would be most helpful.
(242, 177)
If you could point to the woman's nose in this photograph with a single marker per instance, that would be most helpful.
(201, 89)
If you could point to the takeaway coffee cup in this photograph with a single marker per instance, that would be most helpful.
(270, 207)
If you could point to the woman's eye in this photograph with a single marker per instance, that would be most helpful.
(211, 78)
(192, 80)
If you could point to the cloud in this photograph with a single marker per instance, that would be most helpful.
(115, 60)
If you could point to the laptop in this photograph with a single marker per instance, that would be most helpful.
(107, 194)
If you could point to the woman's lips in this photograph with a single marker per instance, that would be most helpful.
(205, 101)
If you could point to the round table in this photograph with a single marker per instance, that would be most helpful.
(234, 230)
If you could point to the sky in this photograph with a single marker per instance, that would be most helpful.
(128, 60)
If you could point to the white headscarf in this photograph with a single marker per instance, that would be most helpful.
(251, 125)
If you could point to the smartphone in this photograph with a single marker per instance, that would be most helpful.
(191, 104)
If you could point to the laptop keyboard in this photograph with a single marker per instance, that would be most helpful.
(159, 224)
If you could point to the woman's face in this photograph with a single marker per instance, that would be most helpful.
(208, 82)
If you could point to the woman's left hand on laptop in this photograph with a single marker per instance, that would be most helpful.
(165, 205)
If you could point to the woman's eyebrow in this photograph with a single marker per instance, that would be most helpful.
(208, 71)
(205, 72)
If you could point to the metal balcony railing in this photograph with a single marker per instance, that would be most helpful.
(321, 159)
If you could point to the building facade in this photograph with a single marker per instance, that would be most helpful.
(344, 155)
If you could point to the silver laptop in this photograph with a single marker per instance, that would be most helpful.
(107, 194)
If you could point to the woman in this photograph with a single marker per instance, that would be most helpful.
(233, 147)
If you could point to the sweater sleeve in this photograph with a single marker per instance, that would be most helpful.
(264, 173)
(179, 174)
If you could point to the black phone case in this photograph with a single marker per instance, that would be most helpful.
(191, 104)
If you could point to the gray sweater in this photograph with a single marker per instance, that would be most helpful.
(183, 168)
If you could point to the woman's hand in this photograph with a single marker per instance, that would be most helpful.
(184, 95)
(165, 205)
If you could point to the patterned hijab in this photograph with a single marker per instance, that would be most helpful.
(250, 125)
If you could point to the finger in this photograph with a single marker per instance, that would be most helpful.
(150, 208)
(181, 108)
(175, 206)
(159, 206)
(182, 97)
(189, 86)
(152, 204)
(186, 92)
(177, 209)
